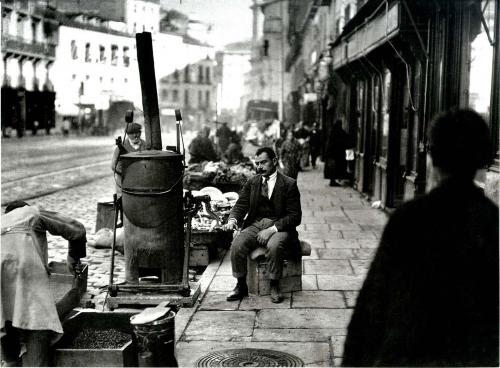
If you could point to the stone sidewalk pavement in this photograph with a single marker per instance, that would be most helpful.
(343, 231)
(341, 227)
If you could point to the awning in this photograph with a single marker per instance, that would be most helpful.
(370, 34)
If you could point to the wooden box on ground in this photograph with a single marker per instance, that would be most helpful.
(258, 281)
(125, 356)
(199, 255)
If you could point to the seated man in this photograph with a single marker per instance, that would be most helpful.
(271, 202)
(29, 313)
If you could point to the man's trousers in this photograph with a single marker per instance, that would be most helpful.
(246, 241)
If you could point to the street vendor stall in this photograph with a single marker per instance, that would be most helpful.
(226, 178)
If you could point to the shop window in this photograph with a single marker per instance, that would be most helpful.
(126, 57)
(87, 53)
(114, 54)
(74, 50)
(385, 113)
(481, 66)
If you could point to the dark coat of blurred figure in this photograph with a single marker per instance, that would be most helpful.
(431, 295)
(290, 154)
(315, 143)
(223, 135)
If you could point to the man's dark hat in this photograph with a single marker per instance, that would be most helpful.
(134, 128)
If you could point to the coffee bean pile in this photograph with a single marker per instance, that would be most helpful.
(90, 338)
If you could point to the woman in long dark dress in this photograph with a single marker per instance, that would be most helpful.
(335, 167)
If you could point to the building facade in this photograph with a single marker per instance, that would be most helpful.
(386, 68)
(29, 42)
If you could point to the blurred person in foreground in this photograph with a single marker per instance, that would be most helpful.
(133, 143)
(30, 317)
(201, 147)
(269, 211)
(431, 295)
(223, 135)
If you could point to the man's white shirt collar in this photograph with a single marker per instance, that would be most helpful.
(271, 182)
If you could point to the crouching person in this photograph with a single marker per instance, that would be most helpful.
(271, 203)
(29, 315)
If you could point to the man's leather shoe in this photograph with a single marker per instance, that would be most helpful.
(276, 295)
(238, 293)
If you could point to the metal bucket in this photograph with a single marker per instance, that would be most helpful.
(156, 341)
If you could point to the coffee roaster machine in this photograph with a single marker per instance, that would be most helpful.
(154, 209)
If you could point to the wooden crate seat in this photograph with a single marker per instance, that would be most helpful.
(257, 280)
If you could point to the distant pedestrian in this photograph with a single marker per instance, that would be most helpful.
(66, 126)
(234, 152)
(290, 153)
(431, 295)
(223, 135)
(132, 143)
(335, 165)
(301, 133)
(36, 125)
(315, 143)
(201, 147)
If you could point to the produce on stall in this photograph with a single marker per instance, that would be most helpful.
(227, 178)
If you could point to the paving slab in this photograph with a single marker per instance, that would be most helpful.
(317, 227)
(318, 299)
(315, 243)
(360, 266)
(327, 267)
(296, 334)
(220, 325)
(337, 343)
(303, 318)
(222, 283)
(358, 234)
(340, 282)
(312, 353)
(350, 298)
(344, 243)
(339, 253)
(216, 300)
(309, 282)
(321, 235)
(365, 253)
(330, 213)
(313, 255)
(256, 302)
(344, 226)
(313, 220)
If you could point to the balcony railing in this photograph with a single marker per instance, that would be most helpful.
(20, 45)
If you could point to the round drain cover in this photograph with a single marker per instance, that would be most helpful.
(249, 358)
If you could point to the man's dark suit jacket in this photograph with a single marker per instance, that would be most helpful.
(431, 295)
(286, 200)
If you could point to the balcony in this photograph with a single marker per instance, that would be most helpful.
(22, 47)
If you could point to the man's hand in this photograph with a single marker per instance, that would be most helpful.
(264, 235)
(231, 225)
